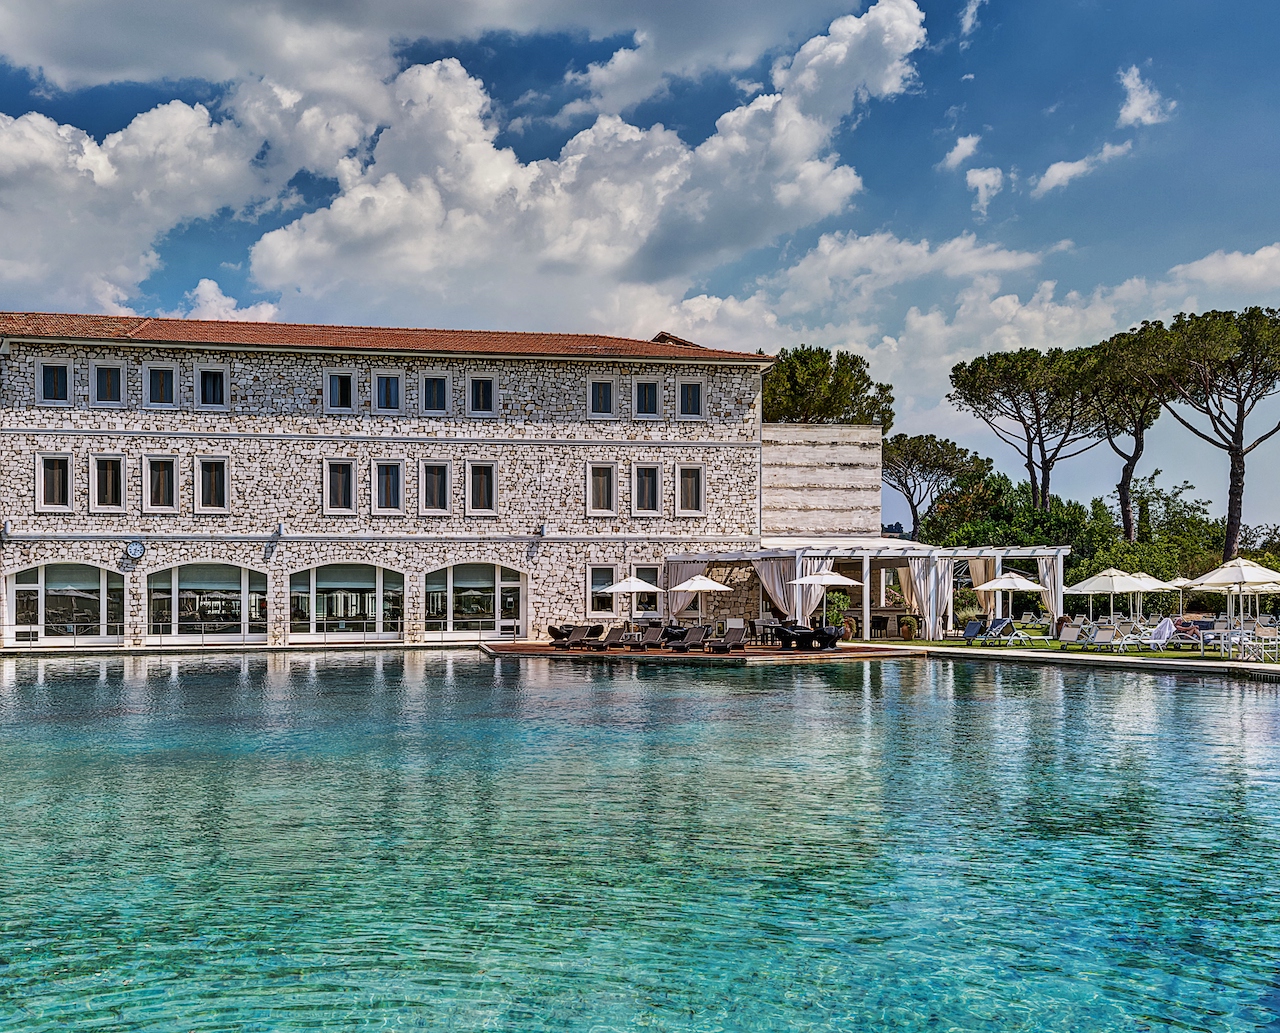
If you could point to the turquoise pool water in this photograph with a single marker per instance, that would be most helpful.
(426, 841)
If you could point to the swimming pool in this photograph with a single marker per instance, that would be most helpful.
(443, 841)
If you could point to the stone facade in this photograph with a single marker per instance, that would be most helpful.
(276, 435)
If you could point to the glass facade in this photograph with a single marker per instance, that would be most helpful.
(213, 599)
(355, 599)
(474, 597)
(68, 600)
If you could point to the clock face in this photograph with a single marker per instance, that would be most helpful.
(135, 550)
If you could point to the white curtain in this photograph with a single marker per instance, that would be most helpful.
(774, 574)
(918, 568)
(946, 574)
(811, 595)
(982, 571)
(1049, 578)
(679, 571)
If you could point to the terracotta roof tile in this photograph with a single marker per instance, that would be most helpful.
(358, 338)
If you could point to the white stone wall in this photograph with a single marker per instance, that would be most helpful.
(277, 435)
(820, 479)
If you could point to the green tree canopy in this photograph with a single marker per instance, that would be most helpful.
(1124, 402)
(811, 385)
(921, 467)
(1032, 401)
(1221, 365)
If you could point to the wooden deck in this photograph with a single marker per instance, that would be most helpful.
(752, 656)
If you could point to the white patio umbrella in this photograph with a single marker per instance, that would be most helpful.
(827, 579)
(1010, 582)
(1179, 583)
(1149, 584)
(698, 584)
(1108, 582)
(632, 586)
(1234, 576)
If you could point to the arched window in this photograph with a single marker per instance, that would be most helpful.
(213, 599)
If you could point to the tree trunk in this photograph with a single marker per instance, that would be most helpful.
(1124, 488)
(1045, 470)
(1035, 482)
(1235, 503)
(915, 519)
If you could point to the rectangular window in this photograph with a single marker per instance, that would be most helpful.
(435, 489)
(108, 384)
(339, 486)
(689, 500)
(161, 386)
(646, 400)
(106, 474)
(480, 396)
(600, 399)
(435, 393)
(54, 381)
(160, 486)
(482, 488)
(600, 481)
(646, 492)
(387, 391)
(53, 490)
(340, 391)
(646, 602)
(600, 601)
(211, 387)
(388, 486)
(211, 485)
(691, 407)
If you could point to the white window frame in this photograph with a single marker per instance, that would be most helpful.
(448, 487)
(373, 391)
(613, 610)
(94, 400)
(55, 360)
(636, 414)
(435, 374)
(197, 477)
(468, 509)
(489, 414)
(374, 508)
(172, 367)
(613, 395)
(588, 467)
(70, 507)
(635, 494)
(355, 486)
(646, 614)
(681, 512)
(93, 482)
(147, 507)
(211, 367)
(702, 383)
(340, 371)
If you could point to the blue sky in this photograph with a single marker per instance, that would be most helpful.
(751, 175)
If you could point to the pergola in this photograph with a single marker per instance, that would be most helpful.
(925, 572)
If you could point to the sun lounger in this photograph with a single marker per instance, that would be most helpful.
(1000, 631)
(693, 639)
(1072, 635)
(974, 629)
(613, 637)
(1108, 637)
(732, 639)
(575, 637)
(556, 632)
(651, 639)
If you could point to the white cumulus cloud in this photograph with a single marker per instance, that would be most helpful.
(206, 301)
(964, 149)
(1060, 173)
(986, 183)
(969, 16)
(1143, 105)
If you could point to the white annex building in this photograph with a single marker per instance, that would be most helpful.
(216, 483)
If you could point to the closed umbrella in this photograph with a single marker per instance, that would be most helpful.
(1010, 582)
(827, 579)
(1179, 583)
(698, 584)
